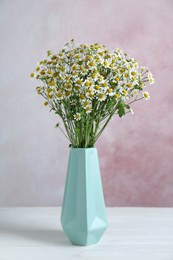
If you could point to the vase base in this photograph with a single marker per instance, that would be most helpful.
(85, 238)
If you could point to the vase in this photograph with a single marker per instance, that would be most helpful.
(83, 215)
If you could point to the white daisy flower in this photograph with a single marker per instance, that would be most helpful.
(135, 92)
(90, 94)
(110, 92)
(101, 79)
(59, 95)
(77, 116)
(106, 63)
(88, 109)
(101, 96)
(86, 103)
(105, 84)
(91, 64)
(88, 83)
(150, 78)
(146, 95)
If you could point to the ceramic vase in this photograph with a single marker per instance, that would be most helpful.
(83, 215)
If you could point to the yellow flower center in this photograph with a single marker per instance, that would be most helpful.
(49, 90)
(151, 80)
(133, 73)
(49, 72)
(104, 84)
(109, 90)
(62, 69)
(49, 96)
(146, 95)
(86, 103)
(124, 92)
(59, 94)
(88, 57)
(117, 79)
(91, 95)
(78, 56)
(129, 85)
(74, 67)
(82, 96)
(68, 86)
(42, 72)
(77, 87)
(67, 93)
(79, 81)
(52, 83)
(88, 108)
(101, 95)
(97, 87)
(55, 74)
(94, 75)
(87, 83)
(91, 63)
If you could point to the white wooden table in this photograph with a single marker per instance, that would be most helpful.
(133, 234)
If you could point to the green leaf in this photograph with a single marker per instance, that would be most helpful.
(121, 108)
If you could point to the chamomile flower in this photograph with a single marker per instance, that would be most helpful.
(88, 109)
(59, 95)
(68, 86)
(106, 63)
(88, 83)
(96, 88)
(90, 94)
(110, 92)
(100, 79)
(67, 93)
(74, 67)
(77, 116)
(78, 56)
(124, 92)
(150, 78)
(91, 64)
(86, 103)
(105, 84)
(135, 92)
(146, 95)
(32, 75)
(116, 95)
(101, 96)
(78, 81)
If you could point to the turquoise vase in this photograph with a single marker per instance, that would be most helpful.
(83, 215)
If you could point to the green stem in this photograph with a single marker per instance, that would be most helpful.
(100, 132)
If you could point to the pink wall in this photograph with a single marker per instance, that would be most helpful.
(136, 152)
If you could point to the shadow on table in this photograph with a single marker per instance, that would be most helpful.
(52, 237)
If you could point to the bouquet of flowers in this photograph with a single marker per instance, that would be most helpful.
(87, 85)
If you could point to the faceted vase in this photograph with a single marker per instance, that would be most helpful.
(83, 215)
